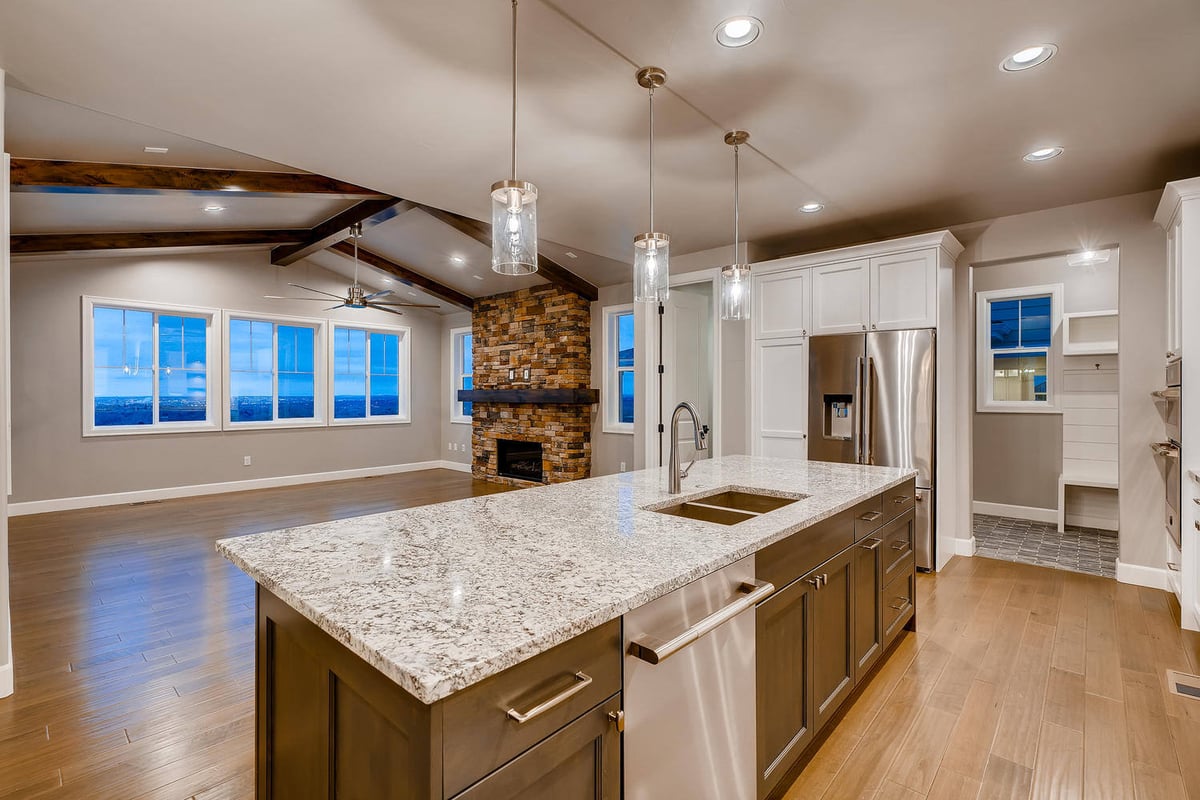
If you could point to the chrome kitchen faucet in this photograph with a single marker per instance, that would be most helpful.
(701, 430)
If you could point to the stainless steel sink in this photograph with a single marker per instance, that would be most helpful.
(728, 507)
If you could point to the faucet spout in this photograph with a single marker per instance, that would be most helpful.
(700, 433)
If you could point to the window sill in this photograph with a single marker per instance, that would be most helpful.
(274, 425)
(460, 420)
(142, 430)
(345, 423)
(625, 429)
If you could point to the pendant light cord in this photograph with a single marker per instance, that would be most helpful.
(651, 158)
(514, 89)
(736, 201)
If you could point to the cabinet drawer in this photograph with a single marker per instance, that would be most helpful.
(899, 602)
(783, 562)
(900, 499)
(868, 517)
(897, 545)
(478, 733)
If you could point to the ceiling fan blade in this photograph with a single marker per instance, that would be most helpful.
(408, 305)
(318, 291)
(311, 299)
(385, 308)
(331, 308)
(378, 294)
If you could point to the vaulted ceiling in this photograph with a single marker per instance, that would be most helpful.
(894, 115)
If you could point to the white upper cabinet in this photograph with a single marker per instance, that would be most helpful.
(781, 304)
(839, 293)
(904, 291)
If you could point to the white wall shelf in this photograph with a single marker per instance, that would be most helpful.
(1090, 333)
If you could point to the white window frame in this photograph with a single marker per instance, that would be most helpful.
(457, 337)
(404, 383)
(610, 398)
(984, 368)
(213, 369)
(320, 365)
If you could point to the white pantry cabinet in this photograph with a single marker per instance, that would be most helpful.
(780, 398)
(781, 304)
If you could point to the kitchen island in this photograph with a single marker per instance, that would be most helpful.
(481, 610)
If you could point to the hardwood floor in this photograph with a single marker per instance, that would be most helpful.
(1022, 682)
(134, 645)
(134, 639)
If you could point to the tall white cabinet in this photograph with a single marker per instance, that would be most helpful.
(898, 284)
(1179, 215)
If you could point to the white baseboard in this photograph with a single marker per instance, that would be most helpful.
(172, 492)
(964, 547)
(1017, 512)
(1153, 577)
(6, 679)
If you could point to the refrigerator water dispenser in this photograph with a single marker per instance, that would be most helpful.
(839, 416)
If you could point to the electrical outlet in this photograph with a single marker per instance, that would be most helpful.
(450, 446)
(525, 373)
(246, 461)
(622, 466)
(512, 373)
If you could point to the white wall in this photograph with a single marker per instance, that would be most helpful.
(1128, 222)
(458, 433)
(6, 660)
(51, 459)
(609, 450)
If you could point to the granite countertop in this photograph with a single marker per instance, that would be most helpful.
(440, 597)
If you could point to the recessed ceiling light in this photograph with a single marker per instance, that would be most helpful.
(738, 31)
(477, 277)
(1029, 57)
(457, 259)
(387, 280)
(569, 254)
(213, 209)
(159, 150)
(1044, 154)
(412, 294)
(812, 208)
(1087, 258)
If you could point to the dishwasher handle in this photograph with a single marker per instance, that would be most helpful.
(655, 651)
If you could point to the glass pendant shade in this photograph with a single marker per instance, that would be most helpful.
(651, 273)
(735, 292)
(514, 227)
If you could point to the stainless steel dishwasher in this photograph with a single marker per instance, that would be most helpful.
(689, 690)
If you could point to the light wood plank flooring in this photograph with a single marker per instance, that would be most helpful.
(134, 646)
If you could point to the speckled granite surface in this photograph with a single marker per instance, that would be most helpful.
(440, 597)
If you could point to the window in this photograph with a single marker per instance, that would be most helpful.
(370, 374)
(1015, 348)
(618, 366)
(273, 375)
(146, 368)
(460, 347)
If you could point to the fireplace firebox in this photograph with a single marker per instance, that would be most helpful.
(521, 460)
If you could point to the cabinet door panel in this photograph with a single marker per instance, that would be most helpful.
(868, 608)
(781, 303)
(904, 291)
(580, 762)
(781, 397)
(833, 651)
(839, 294)
(783, 687)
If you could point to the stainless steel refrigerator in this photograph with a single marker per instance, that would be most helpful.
(872, 400)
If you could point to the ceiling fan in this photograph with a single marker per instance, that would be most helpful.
(355, 297)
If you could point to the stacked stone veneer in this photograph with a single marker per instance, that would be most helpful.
(547, 330)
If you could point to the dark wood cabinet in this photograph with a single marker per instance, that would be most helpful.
(783, 640)
(833, 666)
(868, 611)
(582, 761)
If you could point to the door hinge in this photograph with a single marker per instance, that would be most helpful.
(661, 429)
(661, 369)
(661, 309)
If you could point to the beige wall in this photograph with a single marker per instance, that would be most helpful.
(1128, 222)
(458, 433)
(1018, 457)
(608, 449)
(51, 459)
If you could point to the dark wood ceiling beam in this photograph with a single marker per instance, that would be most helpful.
(86, 177)
(482, 232)
(368, 212)
(406, 275)
(24, 243)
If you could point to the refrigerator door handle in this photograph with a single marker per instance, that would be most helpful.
(868, 412)
(858, 410)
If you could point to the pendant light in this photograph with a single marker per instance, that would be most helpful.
(735, 278)
(651, 251)
(514, 203)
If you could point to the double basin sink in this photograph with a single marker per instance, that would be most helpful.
(728, 506)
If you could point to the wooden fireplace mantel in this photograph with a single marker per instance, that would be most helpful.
(573, 397)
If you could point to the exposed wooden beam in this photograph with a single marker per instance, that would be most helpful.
(334, 229)
(72, 242)
(407, 275)
(482, 232)
(37, 175)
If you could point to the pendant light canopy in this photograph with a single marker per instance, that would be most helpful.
(514, 203)
(735, 278)
(652, 250)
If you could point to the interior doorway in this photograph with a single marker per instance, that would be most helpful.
(689, 364)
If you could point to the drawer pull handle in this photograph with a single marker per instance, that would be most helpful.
(902, 499)
(655, 651)
(871, 544)
(900, 545)
(582, 681)
(816, 582)
(899, 603)
(871, 516)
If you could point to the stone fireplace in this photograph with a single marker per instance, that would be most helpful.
(533, 370)
(520, 460)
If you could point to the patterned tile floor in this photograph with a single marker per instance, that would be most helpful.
(1078, 549)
